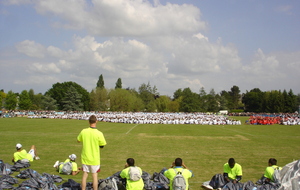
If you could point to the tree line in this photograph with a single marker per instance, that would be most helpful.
(70, 96)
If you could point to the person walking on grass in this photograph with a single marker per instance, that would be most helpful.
(22, 154)
(92, 141)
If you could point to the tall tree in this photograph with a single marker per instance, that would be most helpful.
(235, 96)
(24, 100)
(48, 103)
(11, 100)
(100, 83)
(118, 83)
(72, 100)
(212, 101)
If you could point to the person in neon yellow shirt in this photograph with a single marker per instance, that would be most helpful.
(92, 140)
(75, 169)
(179, 166)
(232, 171)
(21, 154)
(268, 175)
(132, 185)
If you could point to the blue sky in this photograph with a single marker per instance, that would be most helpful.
(170, 44)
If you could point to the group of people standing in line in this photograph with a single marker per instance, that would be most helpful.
(93, 140)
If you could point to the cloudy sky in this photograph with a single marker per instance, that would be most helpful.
(171, 44)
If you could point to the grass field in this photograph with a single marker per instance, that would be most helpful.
(203, 148)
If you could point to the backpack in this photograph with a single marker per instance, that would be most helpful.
(67, 168)
(107, 184)
(276, 175)
(179, 181)
(134, 173)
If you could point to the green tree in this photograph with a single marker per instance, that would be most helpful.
(162, 103)
(2, 98)
(99, 99)
(59, 90)
(203, 100)
(118, 83)
(24, 100)
(72, 100)
(253, 100)
(100, 83)
(292, 102)
(177, 94)
(121, 100)
(148, 94)
(48, 103)
(174, 105)
(190, 101)
(11, 100)
(235, 96)
(212, 102)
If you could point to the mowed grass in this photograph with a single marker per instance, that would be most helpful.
(203, 148)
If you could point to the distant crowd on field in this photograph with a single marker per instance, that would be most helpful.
(144, 117)
(270, 119)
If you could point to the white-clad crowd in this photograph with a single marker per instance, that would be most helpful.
(145, 117)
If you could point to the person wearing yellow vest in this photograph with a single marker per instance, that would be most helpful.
(268, 175)
(21, 154)
(232, 171)
(92, 141)
(72, 159)
(130, 184)
(178, 166)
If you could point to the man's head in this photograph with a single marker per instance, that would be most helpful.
(178, 162)
(231, 162)
(272, 161)
(92, 119)
(18, 146)
(130, 161)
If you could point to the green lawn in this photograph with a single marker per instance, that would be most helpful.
(203, 148)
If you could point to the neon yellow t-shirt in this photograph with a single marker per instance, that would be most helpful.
(170, 174)
(270, 171)
(91, 139)
(233, 172)
(132, 185)
(74, 166)
(22, 155)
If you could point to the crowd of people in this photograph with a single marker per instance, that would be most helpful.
(267, 119)
(145, 117)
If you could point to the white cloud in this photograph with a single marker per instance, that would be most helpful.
(49, 68)
(125, 18)
(31, 48)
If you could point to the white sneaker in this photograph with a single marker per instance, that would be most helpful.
(37, 158)
(56, 164)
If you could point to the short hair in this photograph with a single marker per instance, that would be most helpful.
(178, 162)
(92, 119)
(231, 162)
(130, 161)
(273, 161)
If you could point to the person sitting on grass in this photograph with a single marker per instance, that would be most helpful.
(135, 183)
(22, 154)
(59, 165)
(268, 175)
